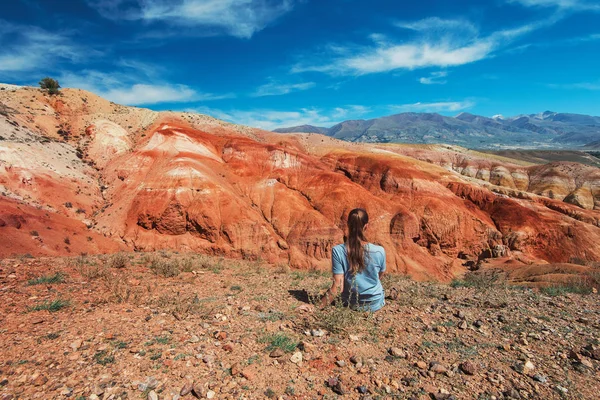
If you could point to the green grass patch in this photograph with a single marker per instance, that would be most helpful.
(47, 279)
(476, 280)
(271, 316)
(554, 291)
(103, 358)
(279, 341)
(52, 336)
(162, 339)
(52, 306)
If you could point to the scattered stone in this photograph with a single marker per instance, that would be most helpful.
(355, 360)
(210, 394)
(362, 390)
(437, 368)
(397, 352)
(561, 389)
(277, 353)
(586, 363)
(540, 378)
(39, 380)
(296, 357)
(478, 324)
(220, 335)
(468, 368)
(354, 338)
(421, 365)
(591, 351)
(524, 368)
(512, 393)
(152, 395)
(440, 329)
(317, 332)
(228, 347)
(341, 363)
(336, 386)
(463, 325)
(76, 344)
(199, 391)
(249, 374)
(186, 389)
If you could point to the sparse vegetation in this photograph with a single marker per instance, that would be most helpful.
(561, 290)
(104, 358)
(279, 341)
(52, 306)
(166, 267)
(118, 261)
(341, 318)
(477, 280)
(50, 85)
(89, 268)
(240, 322)
(47, 279)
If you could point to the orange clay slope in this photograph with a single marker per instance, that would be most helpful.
(116, 177)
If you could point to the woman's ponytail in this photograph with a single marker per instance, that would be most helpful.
(357, 219)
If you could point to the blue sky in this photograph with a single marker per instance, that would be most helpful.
(273, 63)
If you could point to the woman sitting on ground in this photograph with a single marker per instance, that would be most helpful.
(357, 267)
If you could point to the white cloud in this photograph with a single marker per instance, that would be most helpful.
(272, 119)
(578, 85)
(438, 43)
(436, 25)
(239, 18)
(435, 78)
(123, 88)
(562, 4)
(275, 89)
(444, 106)
(29, 48)
(139, 94)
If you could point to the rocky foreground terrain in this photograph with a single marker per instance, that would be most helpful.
(182, 326)
(81, 174)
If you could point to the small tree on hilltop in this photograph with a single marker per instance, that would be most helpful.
(51, 85)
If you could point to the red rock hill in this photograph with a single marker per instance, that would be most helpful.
(81, 174)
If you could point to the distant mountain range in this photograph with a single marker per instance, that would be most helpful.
(545, 130)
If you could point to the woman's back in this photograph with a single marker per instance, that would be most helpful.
(362, 289)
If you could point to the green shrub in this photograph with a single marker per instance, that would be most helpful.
(51, 85)
(166, 267)
(118, 260)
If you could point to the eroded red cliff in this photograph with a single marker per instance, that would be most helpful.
(133, 178)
